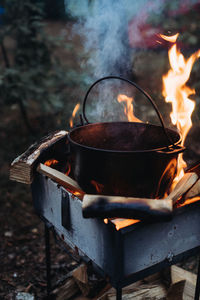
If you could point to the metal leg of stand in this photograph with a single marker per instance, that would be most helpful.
(118, 293)
(197, 290)
(48, 259)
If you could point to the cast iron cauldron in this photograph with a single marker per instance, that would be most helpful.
(124, 158)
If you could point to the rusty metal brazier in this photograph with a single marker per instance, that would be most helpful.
(124, 158)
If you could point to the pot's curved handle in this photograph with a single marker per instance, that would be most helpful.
(141, 90)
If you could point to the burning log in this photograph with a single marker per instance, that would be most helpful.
(125, 207)
(52, 146)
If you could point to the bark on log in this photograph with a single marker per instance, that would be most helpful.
(52, 146)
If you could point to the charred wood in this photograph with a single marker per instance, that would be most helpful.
(124, 207)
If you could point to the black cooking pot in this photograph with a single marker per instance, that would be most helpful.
(124, 158)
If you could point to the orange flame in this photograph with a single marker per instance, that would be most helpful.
(128, 108)
(76, 108)
(171, 39)
(176, 92)
(121, 223)
(98, 186)
(51, 162)
(68, 169)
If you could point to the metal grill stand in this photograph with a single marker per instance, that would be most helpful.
(126, 255)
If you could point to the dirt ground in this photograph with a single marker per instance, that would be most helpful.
(22, 252)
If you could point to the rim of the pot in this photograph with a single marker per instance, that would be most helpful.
(167, 147)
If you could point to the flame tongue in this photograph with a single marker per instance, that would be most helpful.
(171, 39)
(176, 92)
(128, 108)
(76, 108)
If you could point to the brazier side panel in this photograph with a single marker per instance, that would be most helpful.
(94, 238)
(150, 244)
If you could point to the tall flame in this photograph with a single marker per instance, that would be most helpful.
(128, 108)
(177, 92)
(76, 108)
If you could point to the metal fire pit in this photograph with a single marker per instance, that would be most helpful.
(125, 255)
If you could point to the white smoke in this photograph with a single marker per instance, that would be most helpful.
(103, 25)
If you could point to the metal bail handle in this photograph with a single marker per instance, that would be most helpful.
(141, 90)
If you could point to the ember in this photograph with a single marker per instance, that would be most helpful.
(51, 162)
(121, 223)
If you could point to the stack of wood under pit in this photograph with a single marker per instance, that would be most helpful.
(181, 283)
(176, 284)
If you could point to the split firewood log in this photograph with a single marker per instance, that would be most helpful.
(138, 292)
(179, 274)
(181, 290)
(68, 290)
(183, 284)
(194, 191)
(52, 146)
(81, 277)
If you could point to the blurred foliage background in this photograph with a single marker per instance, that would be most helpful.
(37, 67)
